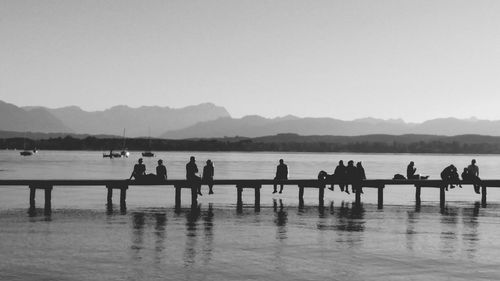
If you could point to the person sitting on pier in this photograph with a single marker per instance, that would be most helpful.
(139, 171)
(351, 175)
(410, 172)
(473, 173)
(340, 175)
(161, 171)
(281, 174)
(191, 170)
(450, 175)
(360, 176)
(208, 175)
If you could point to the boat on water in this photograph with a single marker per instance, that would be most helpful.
(112, 155)
(148, 152)
(124, 152)
(26, 152)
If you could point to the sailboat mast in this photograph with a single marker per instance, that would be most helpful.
(123, 146)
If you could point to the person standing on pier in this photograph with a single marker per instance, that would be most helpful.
(139, 171)
(191, 170)
(281, 174)
(340, 175)
(208, 175)
(473, 174)
(161, 171)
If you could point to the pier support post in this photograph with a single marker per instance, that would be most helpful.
(48, 198)
(32, 197)
(178, 190)
(483, 196)
(194, 194)
(239, 200)
(110, 196)
(381, 197)
(442, 197)
(417, 194)
(358, 196)
(321, 194)
(257, 198)
(301, 196)
(123, 197)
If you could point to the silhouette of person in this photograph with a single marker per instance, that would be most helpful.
(208, 175)
(139, 171)
(281, 174)
(410, 172)
(340, 175)
(465, 175)
(360, 176)
(191, 170)
(450, 175)
(473, 173)
(161, 171)
(351, 174)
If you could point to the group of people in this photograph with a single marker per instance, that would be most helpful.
(345, 175)
(470, 174)
(139, 173)
(348, 174)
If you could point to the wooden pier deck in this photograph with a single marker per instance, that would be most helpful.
(240, 184)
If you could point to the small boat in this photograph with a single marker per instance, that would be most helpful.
(148, 152)
(111, 155)
(124, 152)
(26, 152)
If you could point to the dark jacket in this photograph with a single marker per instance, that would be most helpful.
(282, 172)
(208, 172)
(191, 170)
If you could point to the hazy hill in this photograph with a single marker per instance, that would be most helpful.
(13, 118)
(254, 126)
(136, 121)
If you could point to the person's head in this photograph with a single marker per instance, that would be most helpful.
(281, 161)
(341, 163)
(465, 170)
(209, 162)
(350, 163)
(411, 163)
(191, 159)
(473, 161)
(358, 164)
(160, 162)
(140, 160)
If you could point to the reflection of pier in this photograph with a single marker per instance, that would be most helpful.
(241, 184)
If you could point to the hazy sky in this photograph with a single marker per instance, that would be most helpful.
(414, 60)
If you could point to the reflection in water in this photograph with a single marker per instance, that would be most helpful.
(208, 225)
(412, 218)
(138, 222)
(160, 234)
(192, 217)
(280, 219)
(192, 237)
(449, 230)
(470, 234)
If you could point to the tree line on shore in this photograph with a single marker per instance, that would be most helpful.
(448, 146)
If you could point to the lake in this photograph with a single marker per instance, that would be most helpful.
(81, 240)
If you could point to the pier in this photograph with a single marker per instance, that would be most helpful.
(241, 184)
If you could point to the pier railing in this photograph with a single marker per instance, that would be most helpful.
(241, 184)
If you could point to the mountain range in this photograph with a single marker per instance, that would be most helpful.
(211, 121)
(142, 121)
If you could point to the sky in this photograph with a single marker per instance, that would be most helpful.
(415, 60)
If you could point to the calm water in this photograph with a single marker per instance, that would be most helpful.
(80, 240)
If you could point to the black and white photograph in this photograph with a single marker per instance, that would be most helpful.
(249, 140)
